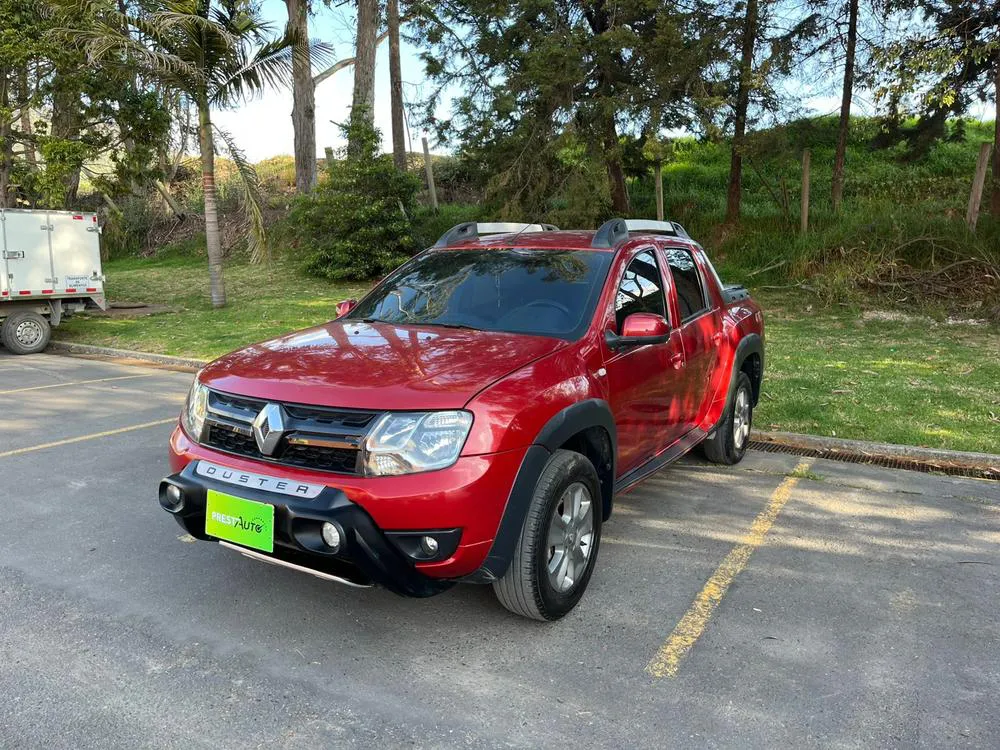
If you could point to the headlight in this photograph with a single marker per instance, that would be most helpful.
(193, 415)
(408, 442)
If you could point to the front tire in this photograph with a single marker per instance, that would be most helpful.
(25, 332)
(557, 549)
(732, 435)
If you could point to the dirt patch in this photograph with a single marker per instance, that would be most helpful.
(894, 316)
(232, 226)
(131, 310)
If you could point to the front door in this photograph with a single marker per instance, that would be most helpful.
(641, 387)
(699, 333)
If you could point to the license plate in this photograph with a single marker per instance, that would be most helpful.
(240, 521)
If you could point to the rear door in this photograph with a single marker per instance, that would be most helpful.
(699, 331)
(76, 252)
(26, 252)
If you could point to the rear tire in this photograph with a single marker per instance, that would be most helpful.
(732, 435)
(25, 332)
(557, 549)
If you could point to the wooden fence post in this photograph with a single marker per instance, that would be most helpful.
(976, 197)
(805, 191)
(658, 176)
(430, 175)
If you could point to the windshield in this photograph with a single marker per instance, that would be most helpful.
(540, 292)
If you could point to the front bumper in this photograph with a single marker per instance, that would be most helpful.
(470, 497)
(366, 555)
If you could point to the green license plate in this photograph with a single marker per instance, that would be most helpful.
(241, 521)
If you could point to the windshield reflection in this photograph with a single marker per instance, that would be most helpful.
(520, 290)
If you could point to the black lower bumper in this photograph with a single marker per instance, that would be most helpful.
(366, 555)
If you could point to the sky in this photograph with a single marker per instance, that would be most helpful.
(263, 127)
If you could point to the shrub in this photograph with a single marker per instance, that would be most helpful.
(124, 235)
(428, 225)
(355, 225)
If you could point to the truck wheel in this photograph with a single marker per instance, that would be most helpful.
(25, 332)
(557, 549)
(729, 444)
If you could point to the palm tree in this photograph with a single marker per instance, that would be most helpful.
(217, 53)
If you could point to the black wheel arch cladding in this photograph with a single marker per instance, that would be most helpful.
(749, 345)
(563, 427)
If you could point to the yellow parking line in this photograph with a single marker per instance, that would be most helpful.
(77, 382)
(668, 659)
(94, 436)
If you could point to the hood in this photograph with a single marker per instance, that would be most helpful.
(356, 365)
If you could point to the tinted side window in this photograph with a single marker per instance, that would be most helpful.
(687, 282)
(641, 289)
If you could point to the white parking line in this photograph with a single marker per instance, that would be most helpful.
(76, 382)
(92, 436)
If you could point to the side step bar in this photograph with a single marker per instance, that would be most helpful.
(282, 564)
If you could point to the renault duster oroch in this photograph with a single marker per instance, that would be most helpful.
(474, 416)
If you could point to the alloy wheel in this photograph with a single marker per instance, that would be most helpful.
(741, 418)
(570, 537)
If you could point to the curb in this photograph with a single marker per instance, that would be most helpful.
(793, 440)
(890, 451)
(125, 356)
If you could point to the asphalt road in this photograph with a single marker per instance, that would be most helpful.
(843, 606)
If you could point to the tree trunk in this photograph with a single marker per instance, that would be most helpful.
(66, 126)
(616, 173)
(734, 194)
(845, 104)
(303, 98)
(6, 151)
(213, 239)
(363, 100)
(170, 200)
(345, 63)
(995, 187)
(396, 86)
(27, 130)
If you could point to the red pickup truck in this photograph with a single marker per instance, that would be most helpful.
(474, 416)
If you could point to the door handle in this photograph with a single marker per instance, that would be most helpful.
(717, 338)
(677, 360)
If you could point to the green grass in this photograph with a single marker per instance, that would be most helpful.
(801, 473)
(899, 212)
(263, 302)
(829, 370)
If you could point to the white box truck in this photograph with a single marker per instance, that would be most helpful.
(50, 268)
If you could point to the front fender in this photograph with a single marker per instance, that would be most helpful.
(563, 426)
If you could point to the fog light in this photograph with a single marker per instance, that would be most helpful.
(174, 497)
(429, 545)
(331, 536)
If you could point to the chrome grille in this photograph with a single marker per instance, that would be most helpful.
(317, 438)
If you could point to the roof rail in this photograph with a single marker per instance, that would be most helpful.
(614, 231)
(471, 229)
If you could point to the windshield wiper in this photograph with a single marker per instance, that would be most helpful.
(461, 326)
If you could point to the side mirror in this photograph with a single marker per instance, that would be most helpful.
(639, 329)
(345, 307)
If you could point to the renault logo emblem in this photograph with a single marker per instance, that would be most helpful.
(268, 428)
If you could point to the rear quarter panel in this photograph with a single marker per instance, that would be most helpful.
(739, 320)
